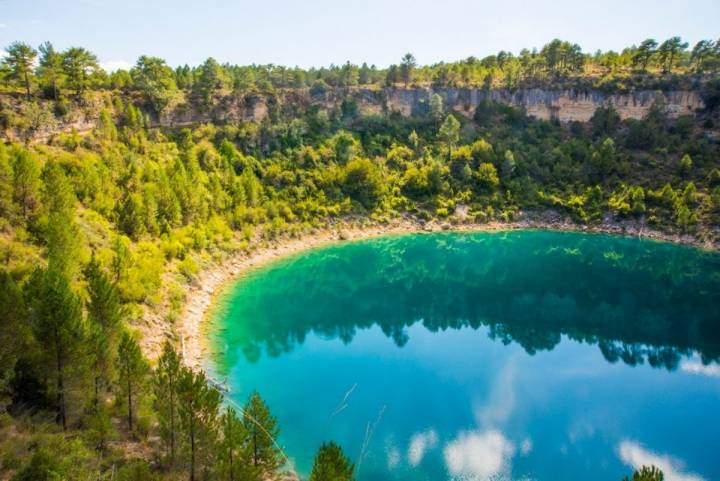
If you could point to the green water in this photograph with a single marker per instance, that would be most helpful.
(521, 355)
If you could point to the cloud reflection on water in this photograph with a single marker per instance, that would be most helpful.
(636, 456)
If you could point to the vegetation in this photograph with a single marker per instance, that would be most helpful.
(98, 231)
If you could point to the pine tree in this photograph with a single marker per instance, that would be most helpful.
(199, 403)
(331, 464)
(449, 132)
(263, 431)
(132, 369)
(26, 183)
(50, 68)
(105, 313)
(61, 233)
(6, 183)
(166, 403)
(234, 456)
(56, 316)
(13, 321)
(19, 59)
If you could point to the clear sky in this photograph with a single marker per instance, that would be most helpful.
(320, 32)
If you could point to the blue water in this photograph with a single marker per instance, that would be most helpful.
(521, 355)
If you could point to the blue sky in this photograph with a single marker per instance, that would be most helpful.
(320, 32)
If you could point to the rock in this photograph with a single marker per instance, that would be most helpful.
(461, 211)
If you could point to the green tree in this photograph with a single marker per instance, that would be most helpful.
(60, 231)
(646, 473)
(212, 79)
(56, 317)
(331, 464)
(43, 466)
(199, 404)
(669, 51)
(449, 132)
(644, 53)
(407, 66)
(685, 165)
(50, 69)
(166, 402)
(105, 313)
(78, 65)
(487, 176)
(233, 451)
(156, 80)
(436, 107)
(701, 52)
(19, 59)
(363, 182)
(26, 183)
(603, 160)
(6, 183)
(14, 335)
(132, 370)
(263, 430)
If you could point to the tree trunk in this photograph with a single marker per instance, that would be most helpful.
(27, 85)
(172, 426)
(230, 451)
(192, 454)
(130, 413)
(255, 448)
(96, 401)
(62, 418)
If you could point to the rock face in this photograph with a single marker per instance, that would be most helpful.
(562, 105)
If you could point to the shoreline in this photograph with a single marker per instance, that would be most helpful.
(202, 295)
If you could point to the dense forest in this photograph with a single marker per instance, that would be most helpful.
(98, 229)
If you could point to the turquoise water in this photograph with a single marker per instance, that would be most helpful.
(506, 356)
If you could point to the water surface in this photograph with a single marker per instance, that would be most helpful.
(520, 355)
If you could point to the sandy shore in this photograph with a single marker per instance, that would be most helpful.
(202, 293)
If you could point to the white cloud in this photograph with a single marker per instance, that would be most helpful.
(393, 458)
(696, 367)
(112, 65)
(526, 446)
(634, 455)
(479, 456)
(419, 444)
(501, 403)
(3, 25)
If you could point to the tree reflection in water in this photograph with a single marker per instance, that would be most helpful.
(639, 301)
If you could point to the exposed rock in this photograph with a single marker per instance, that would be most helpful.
(563, 105)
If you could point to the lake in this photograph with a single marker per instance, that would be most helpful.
(521, 355)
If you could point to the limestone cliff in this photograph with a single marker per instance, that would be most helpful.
(561, 105)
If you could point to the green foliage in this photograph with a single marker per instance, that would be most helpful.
(153, 205)
(105, 314)
(19, 59)
(198, 414)
(331, 464)
(646, 473)
(234, 454)
(449, 131)
(132, 371)
(263, 430)
(59, 328)
(43, 466)
(362, 181)
(166, 402)
(156, 80)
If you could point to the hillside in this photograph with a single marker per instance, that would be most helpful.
(118, 191)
